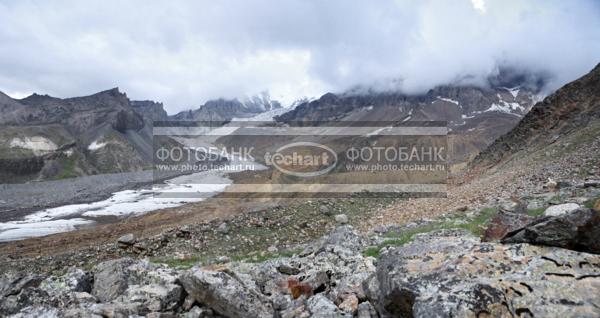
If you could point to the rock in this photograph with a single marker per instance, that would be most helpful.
(597, 206)
(341, 218)
(556, 210)
(78, 280)
(551, 185)
(226, 293)
(272, 249)
(452, 274)
(578, 230)
(325, 210)
(198, 312)
(503, 223)
(321, 307)
(366, 310)
(287, 269)
(111, 279)
(223, 228)
(154, 297)
(591, 184)
(380, 229)
(350, 304)
(126, 240)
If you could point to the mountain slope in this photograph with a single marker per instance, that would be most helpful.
(227, 109)
(44, 137)
(571, 109)
(475, 116)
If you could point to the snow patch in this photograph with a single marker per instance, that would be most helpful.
(95, 145)
(448, 100)
(39, 145)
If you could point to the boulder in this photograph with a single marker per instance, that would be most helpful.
(556, 210)
(223, 228)
(578, 230)
(325, 210)
(321, 307)
(111, 279)
(154, 297)
(451, 274)
(341, 218)
(126, 240)
(225, 293)
(503, 223)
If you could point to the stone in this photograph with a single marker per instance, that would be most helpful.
(591, 184)
(341, 218)
(350, 304)
(154, 297)
(551, 185)
(325, 210)
(272, 249)
(225, 293)
(597, 206)
(366, 310)
(223, 228)
(127, 240)
(450, 273)
(197, 312)
(503, 223)
(578, 230)
(111, 279)
(321, 307)
(287, 269)
(556, 210)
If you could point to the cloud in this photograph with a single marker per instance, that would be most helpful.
(186, 52)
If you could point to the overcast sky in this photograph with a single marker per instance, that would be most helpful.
(186, 52)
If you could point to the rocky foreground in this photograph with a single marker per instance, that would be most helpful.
(537, 258)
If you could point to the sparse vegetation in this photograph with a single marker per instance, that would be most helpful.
(475, 225)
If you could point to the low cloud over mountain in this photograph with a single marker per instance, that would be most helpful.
(187, 52)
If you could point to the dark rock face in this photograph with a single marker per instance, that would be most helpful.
(578, 230)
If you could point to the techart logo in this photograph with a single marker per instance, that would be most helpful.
(303, 159)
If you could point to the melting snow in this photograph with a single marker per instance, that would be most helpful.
(513, 91)
(19, 230)
(96, 145)
(448, 100)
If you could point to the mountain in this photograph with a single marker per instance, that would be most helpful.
(568, 116)
(476, 116)
(44, 137)
(227, 109)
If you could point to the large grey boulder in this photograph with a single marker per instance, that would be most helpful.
(578, 230)
(111, 279)
(452, 274)
(225, 293)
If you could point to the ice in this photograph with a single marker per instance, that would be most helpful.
(15, 230)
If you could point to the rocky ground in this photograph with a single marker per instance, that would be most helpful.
(475, 263)
(519, 240)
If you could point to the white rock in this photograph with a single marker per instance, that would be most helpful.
(561, 209)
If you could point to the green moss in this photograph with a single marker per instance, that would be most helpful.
(536, 212)
(178, 263)
(475, 225)
(69, 168)
(590, 203)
